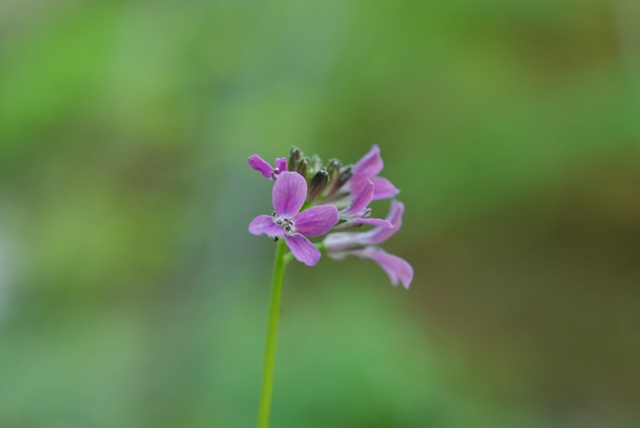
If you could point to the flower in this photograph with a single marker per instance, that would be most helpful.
(367, 168)
(349, 244)
(358, 213)
(259, 164)
(289, 194)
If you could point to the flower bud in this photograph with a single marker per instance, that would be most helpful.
(345, 174)
(315, 163)
(333, 168)
(294, 157)
(317, 185)
(302, 167)
(340, 177)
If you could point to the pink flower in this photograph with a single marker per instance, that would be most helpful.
(368, 167)
(259, 164)
(349, 244)
(357, 212)
(289, 194)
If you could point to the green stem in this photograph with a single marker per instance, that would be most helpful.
(272, 335)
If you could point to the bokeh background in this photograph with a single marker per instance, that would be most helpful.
(132, 295)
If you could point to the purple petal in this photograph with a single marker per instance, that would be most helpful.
(396, 267)
(349, 240)
(317, 220)
(362, 197)
(379, 234)
(372, 221)
(383, 189)
(263, 224)
(259, 164)
(289, 193)
(303, 250)
(369, 165)
(281, 164)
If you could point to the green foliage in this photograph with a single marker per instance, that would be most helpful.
(131, 294)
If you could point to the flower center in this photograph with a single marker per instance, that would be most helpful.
(286, 223)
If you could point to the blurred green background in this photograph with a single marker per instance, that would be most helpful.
(132, 295)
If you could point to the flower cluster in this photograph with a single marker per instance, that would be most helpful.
(312, 199)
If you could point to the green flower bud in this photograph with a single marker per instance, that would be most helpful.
(315, 164)
(294, 157)
(302, 167)
(333, 168)
(317, 185)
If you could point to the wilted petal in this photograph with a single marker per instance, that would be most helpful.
(316, 220)
(396, 267)
(289, 193)
(362, 198)
(372, 221)
(303, 250)
(263, 224)
(341, 241)
(383, 189)
(369, 165)
(281, 164)
(259, 164)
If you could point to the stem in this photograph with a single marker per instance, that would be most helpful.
(272, 335)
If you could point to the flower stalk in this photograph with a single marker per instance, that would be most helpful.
(272, 334)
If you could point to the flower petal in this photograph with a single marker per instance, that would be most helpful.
(348, 240)
(362, 197)
(383, 189)
(316, 220)
(263, 224)
(341, 241)
(372, 221)
(281, 164)
(380, 234)
(289, 193)
(397, 268)
(369, 165)
(303, 250)
(259, 164)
